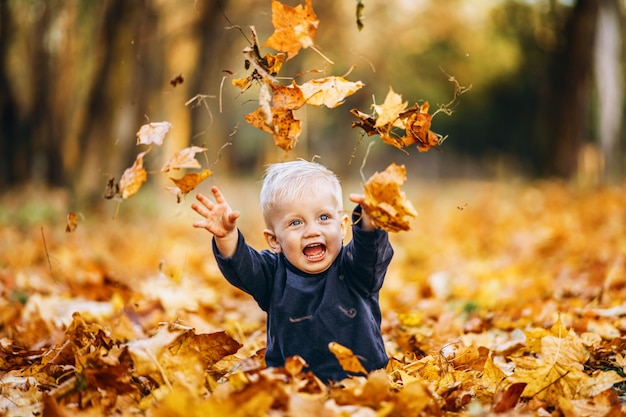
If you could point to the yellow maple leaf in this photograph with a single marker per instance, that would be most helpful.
(294, 28)
(185, 158)
(347, 359)
(329, 91)
(133, 177)
(188, 183)
(385, 202)
(390, 109)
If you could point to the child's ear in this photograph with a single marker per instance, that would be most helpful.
(270, 237)
(345, 223)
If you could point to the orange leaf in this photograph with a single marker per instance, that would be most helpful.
(418, 131)
(347, 359)
(385, 203)
(389, 110)
(72, 222)
(188, 183)
(294, 28)
(287, 97)
(284, 126)
(185, 158)
(329, 91)
(153, 133)
(133, 178)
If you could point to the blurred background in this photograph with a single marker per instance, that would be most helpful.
(78, 79)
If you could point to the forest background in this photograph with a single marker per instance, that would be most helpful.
(78, 78)
(519, 241)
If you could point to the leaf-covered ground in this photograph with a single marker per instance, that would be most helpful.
(503, 299)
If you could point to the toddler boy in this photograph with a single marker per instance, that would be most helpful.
(314, 289)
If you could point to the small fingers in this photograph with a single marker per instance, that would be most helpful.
(357, 198)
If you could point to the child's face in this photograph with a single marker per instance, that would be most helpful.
(308, 231)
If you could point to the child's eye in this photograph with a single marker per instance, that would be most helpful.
(295, 223)
(324, 217)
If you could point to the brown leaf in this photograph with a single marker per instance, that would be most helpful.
(385, 202)
(111, 189)
(72, 222)
(133, 178)
(287, 97)
(507, 399)
(294, 28)
(284, 127)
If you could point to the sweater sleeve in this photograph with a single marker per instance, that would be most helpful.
(249, 270)
(366, 257)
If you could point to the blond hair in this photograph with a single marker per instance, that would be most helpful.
(289, 181)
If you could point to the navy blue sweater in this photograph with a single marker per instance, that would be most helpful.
(306, 312)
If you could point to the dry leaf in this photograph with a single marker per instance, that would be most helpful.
(287, 97)
(294, 28)
(178, 79)
(111, 189)
(330, 91)
(284, 127)
(153, 133)
(385, 202)
(133, 178)
(185, 158)
(188, 183)
(347, 359)
(72, 222)
(390, 109)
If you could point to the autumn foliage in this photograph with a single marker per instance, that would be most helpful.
(520, 314)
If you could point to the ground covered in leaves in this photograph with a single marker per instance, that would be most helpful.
(502, 299)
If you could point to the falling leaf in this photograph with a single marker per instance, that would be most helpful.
(187, 183)
(287, 97)
(185, 158)
(294, 28)
(390, 109)
(417, 122)
(178, 79)
(359, 14)
(72, 222)
(284, 126)
(133, 178)
(329, 91)
(347, 359)
(385, 202)
(111, 189)
(153, 133)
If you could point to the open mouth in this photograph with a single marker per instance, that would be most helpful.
(315, 251)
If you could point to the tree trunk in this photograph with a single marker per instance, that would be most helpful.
(608, 78)
(572, 91)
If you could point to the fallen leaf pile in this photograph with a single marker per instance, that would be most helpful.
(509, 300)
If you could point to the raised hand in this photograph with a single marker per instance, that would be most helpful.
(360, 199)
(219, 218)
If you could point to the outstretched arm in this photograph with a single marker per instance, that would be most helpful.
(365, 219)
(219, 219)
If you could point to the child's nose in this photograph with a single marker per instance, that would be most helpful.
(312, 229)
